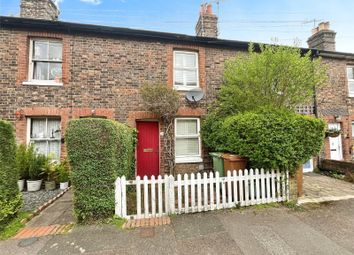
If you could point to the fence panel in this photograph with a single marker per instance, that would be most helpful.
(156, 197)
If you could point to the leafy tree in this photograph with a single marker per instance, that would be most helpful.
(278, 76)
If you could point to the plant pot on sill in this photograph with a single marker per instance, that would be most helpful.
(234, 162)
(49, 185)
(21, 184)
(34, 185)
(64, 185)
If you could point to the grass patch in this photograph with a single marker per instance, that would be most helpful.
(116, 221)
(13, 226)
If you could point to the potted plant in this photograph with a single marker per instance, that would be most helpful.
(333, 133)
(22, 162)
(63, 170)
(35, 171)
(49, 168)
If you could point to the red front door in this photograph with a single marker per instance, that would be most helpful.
(148, 148)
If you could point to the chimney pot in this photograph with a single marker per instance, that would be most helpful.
(207, 25)
(322, 37)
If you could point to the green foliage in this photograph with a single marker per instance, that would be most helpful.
(273, 138)
(160, 99)
(63, 170)
(99, 151)
(278, 76)
(10, 197)
(37, 164)
(13, 226)
(49, 169)
(22, 160)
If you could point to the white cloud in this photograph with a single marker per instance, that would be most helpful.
(95, 2)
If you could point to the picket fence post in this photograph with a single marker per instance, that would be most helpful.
(118, 197)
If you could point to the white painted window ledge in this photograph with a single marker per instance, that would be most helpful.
(189, 160)
(42, 83)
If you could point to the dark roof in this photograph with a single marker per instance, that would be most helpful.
(77, 28)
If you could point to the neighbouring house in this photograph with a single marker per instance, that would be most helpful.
(53, 71)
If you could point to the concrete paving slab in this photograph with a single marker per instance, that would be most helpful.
(320, 188)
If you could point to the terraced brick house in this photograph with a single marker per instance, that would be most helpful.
(54, 71)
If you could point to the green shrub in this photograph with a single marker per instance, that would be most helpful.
(10, 197)
(211, 132)
(273, 138)
(63, 170)
(99, 151)
(37, 164)
(22, 161)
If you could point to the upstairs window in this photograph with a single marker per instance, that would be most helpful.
(350, 75)
(45, 63)
(44, 134)
(185, 70)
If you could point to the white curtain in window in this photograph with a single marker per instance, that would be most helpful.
(187, 146)
(187, 127)
(40, 147)
(38, 129)
(53, 125)
(54, 149)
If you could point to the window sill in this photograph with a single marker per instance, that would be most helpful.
(189, 160)
(183, 88)
(43, 83)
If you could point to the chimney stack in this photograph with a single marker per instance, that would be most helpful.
(322, 38)
(207, 25)
(39, 9)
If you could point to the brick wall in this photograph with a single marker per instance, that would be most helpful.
(104, 75)
(101, 74)
(334, 105)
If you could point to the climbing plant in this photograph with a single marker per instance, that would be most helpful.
(164, 102)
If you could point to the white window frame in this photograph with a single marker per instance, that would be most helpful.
(352, 129)
(30, 140)
(351, 93)
(190, 158)
(32, 81)
(185, 87)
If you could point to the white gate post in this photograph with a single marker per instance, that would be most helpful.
(118, 198)
(124, 197)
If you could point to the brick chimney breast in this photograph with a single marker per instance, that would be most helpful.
(39, 9)
(323, 38)
(207, 25)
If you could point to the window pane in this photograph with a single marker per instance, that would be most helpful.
(55, 51)
(187, 147)
(54, 71)
(40, 147)
(350, 72)
(190, 60)
(351, 87)
(178, 77)
(40, 71)
(38, 128)
(40, 50)
(187, 127)
(178, 59)
(54, 149)
(191, 77)
(53, 128)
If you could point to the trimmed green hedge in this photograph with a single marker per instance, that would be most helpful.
(99, 151)
(10, 197)
(270, 138)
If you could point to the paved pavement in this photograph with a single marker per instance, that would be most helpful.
(327, 228)
(320, 188)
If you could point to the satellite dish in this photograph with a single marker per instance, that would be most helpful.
(194, 95)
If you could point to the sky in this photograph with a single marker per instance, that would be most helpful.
(265, 21)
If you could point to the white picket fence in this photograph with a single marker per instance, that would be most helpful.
(196, 193)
